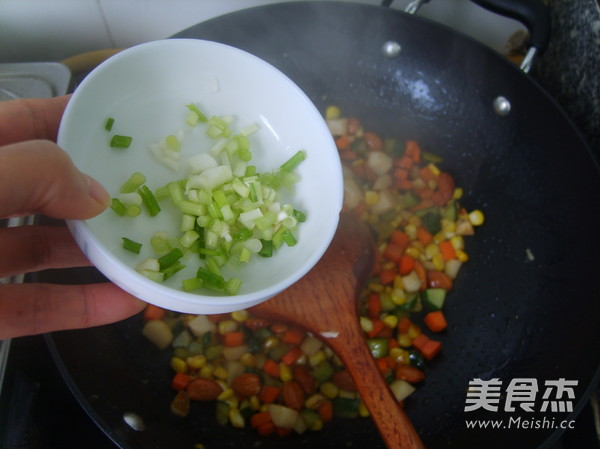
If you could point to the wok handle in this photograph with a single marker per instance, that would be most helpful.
(534, 14)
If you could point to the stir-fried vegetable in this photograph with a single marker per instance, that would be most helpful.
(278, 379)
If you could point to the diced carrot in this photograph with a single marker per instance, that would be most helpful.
(353, 125)
(342, 142)
(404, 162)
(424, 236)
(401, 174)
(425, 193)
(180, 381)
(420, 270)
(393, 251)
(293, 336)
(446, 185)
(408, 373)
(439, 279)
(374, 306)
(283, 432)
(404, 325)
(325, 411)
(347, 154)
(393, 342)
(268, 393)
(403, 184)
(216, 317)
(253, 323)
(382, 365)
(400, 237)
(304, 378)
(266, 429)
(378, 326)
(373, 141)
(426, 174)
(435, 321)
(425, 204)
(431, 349)
(406, 264)
(387, 276)
(447, 250)
(438, 199)
(234, 338)
(152, 312)
(260, 418)
(271, 367)
(290, 357)
(420, 341)
(279, 328)
(413, 150)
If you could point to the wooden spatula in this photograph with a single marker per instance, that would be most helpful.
(324, 302)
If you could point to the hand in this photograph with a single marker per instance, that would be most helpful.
(37, 177)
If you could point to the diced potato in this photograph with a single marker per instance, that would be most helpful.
(158, 333)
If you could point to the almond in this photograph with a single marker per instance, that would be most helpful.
(246, 384)
(201, 389)
(293, 395)
(344, 380)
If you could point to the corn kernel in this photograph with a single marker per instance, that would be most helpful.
(285, 372)
(314, 401)
(232, 402)
(458, 193)
(317, 358)
(462, 256)
(236, 418)
(398, 296)
(413, 331)
(333, 112)
(178, 365)
(457, 242)
(439, 237)
(411, 231)
(413, 252)
(398, 285)
(348, 394)
(434, 169)
(404, 340)
(376, 287)
(264, 407)
(248, 360)
(391, 321)
(317, 425)
(329, 390)
(226, 394)
(448, 226)
(371, 197)
(196, 361)
(431, 250)
(240, 315)
(366, 324)
(476, 217)
(363, 411)
(438, 262)
(415, 220)
(220, 372)
(254, 402)
(227, 326)
(207, 371)
(397, 354)
(270, 342)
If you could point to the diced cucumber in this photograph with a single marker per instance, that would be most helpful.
(434, 298)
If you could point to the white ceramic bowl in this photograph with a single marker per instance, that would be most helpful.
(145, 89)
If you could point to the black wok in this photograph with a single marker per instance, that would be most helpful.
(525, 306)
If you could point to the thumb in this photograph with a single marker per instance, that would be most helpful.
(38, 177)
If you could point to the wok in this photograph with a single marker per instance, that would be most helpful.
(526, 305)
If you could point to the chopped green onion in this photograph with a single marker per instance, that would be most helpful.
(149, 200)
(191, 284)
(210, 279)
(242, 235)
(118, 207)
(232, 286)
(289, 238)
(130, 245)
(294, 161)
(172, 269)
(109, 123)
(160, 243)
(132, 184)
(118, 141)
(267, 248)
(170, 258)
(300, 216)
(133, 210)
(192, 107)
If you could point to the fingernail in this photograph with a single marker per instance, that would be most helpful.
(97, 191)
